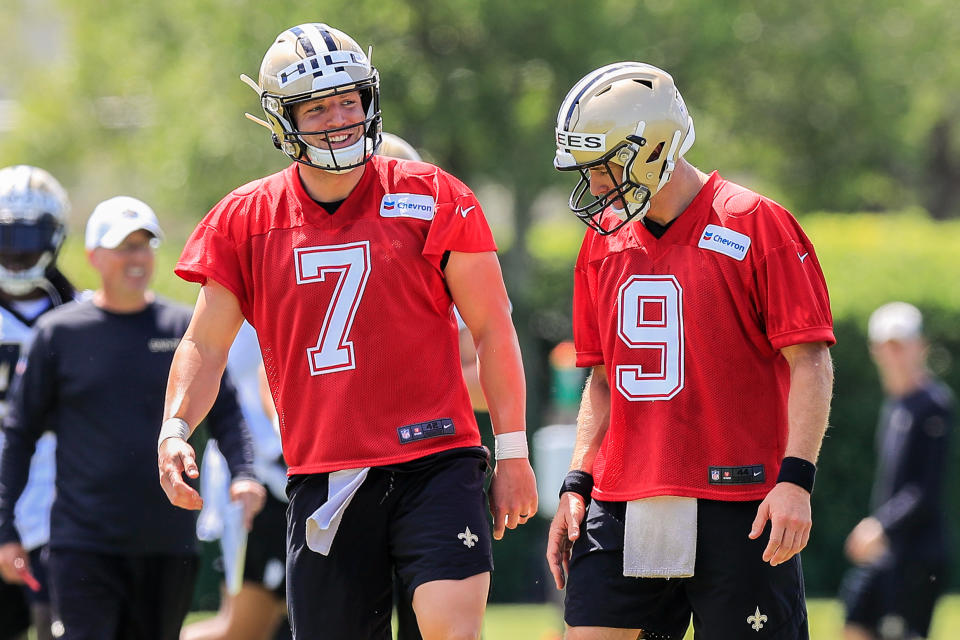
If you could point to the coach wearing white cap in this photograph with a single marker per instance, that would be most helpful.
(122, 234)
(901, 549)
(96, 375)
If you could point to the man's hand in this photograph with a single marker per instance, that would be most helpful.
(251, 495)
(13, 560)
(867, 542)
(564, 530)
(513, 494)
(787, 507)
(174, 458)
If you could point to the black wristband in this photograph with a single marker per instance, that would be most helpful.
(579, 482)
(797, 471)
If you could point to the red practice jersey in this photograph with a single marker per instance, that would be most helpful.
(689, 327)
(352, 311)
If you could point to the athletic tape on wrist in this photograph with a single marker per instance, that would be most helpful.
(579, 482)
(173, 428)
(510, 445)
(798, 471)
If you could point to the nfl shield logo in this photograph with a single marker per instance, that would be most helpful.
(405, 434)
(714, 474)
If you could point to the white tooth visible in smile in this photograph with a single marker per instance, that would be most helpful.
(338, 138)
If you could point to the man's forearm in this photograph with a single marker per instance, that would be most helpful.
(808, 404)
(592, 421)
(193, 384)
(502, 379)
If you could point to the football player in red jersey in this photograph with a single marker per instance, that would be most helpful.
(702, 310)
(348, 264)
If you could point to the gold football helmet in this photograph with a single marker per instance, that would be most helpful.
(396, 147)
(629, 114)
(317, 61)
(33, 217)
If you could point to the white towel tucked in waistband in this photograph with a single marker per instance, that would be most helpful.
(660, 537)
(323, 523)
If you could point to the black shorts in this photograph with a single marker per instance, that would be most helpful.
(14, 612)
(100, 596)
(427, 518)
(265, 562)
(39, 558)
(733, 593)
(893, 595)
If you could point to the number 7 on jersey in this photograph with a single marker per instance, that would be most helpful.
(350, 265)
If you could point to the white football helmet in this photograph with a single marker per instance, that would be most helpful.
(317, 61)
(629, 114)
(33, 217)
(396, 147)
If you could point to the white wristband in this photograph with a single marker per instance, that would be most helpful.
(173, 428)
(510, 445)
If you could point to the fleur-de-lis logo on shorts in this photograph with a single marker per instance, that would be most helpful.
(756, 620)
(469, 538)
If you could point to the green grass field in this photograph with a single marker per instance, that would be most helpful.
(543, 622)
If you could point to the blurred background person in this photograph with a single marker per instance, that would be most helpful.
(33, 216)
(257, 610)
(901, 549)
(122, 561)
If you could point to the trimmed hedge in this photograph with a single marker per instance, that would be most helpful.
(870, 259)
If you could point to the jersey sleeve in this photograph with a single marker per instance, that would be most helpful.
(211, 254)
(586, 332)
(458, 224)
(792, 291)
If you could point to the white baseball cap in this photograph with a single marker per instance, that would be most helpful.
(895, 321)
(114, 219)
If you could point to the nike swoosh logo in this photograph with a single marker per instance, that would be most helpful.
(756, 473)
(463, 212)
(803, 257)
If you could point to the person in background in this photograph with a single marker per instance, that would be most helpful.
(33, 218)
(258, 610)
(902, 549)
(122, 560)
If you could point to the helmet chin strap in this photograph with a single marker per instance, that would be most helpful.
(634, 210)
(673, 154)
(328, 160)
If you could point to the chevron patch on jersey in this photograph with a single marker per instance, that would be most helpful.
(726, 241)
(407, 205)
